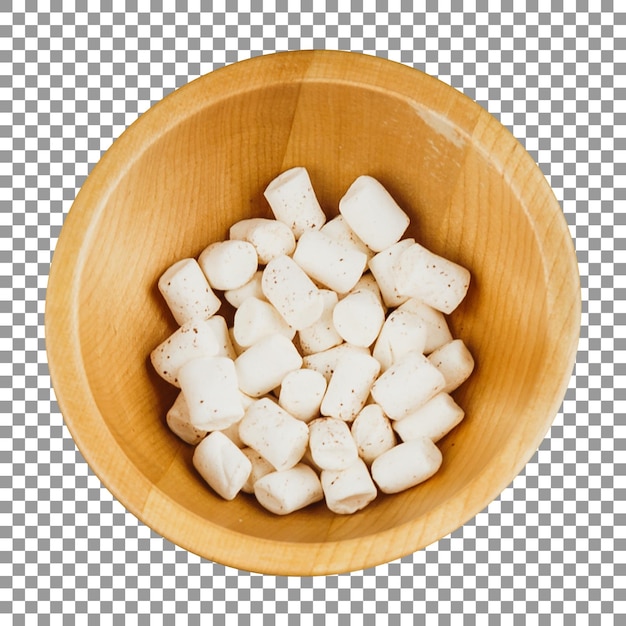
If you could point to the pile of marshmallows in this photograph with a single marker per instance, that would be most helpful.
(298, 401)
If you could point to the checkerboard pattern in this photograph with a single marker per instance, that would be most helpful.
(73, 75)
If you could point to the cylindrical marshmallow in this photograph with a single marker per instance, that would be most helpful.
(401, 333)
(220, 329)
(211, 392)
(256, 319)
(331, 444)
(359, 317)
(438, 282)
(350, 385)
(263, 365)
(252, 289)
(322, 334)
(328, 261)
(278, 437)
(349, 490)
(373, 214)
(433, 420)
(179, 422)
(382, 266)
(260, 467)
(287, 491)
(437, 331)
(187, 292)
(228, 264)
(372, 433)
(367, 282)
(406, 465)
(191, 341)
(232, 432)
(455, 362)
(292, 200)
(301, 393)
(407, 385)
(326, 362)
(222, 464)
(292, 292)
(338, 229)
(270, 238)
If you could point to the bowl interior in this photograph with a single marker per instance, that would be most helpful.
(199, 162)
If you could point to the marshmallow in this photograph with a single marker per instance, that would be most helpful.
(359, 317)
(293, 201)
(438, 282)
(232, 432)
(406, 465)
(301, 393)
(270, 238)
(338, 229)
(367, 282)
(349, 490)
(321, 335)
(433, 420)
(260, 468)
(401, 333)
(178, 420)
(292, 292)
(326, 362)
(373, 214)
(187, 292)
(252, 289)
(372, 433)
(331, 444)
(289, 490)
(382, 268)
(278, 437)
(437, 331)
(455, 362)
(211, 392)
(256, 319)
(220, 329)
(407, 385)
(228, 264)
(222, 464)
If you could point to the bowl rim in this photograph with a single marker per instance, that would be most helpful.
(80, 411)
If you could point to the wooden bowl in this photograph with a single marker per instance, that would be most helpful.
(199, 161)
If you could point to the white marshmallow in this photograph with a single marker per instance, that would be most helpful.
(220, 329)
(260, 468)
(438, 282)
(228, 264)
(179, 422)
(382, 268)
(437, 331)
(270, 238)
(187, 292)
(350, 385)
(372, 433)
(359, 317)
(232, 432)
(326, 362)
(292, 292)
(433, 420)
(373, 214)
(222, 464)
(252, 289)
(455, 362)
(338, 229)
(191, 341)
(367, 282)
(263, 365)
(328, 261)
(211, 392)
(331, 444)
(301, 393)
(278, 437)
(401, 333)
(289, 490)
(321, 335)
(349, 490)
(293, 201)
(407, 385)
(256, 319)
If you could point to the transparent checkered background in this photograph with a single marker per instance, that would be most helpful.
(73, 75)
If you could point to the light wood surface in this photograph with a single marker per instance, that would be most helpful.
(197, 162)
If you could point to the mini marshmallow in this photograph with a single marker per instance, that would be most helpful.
(359, 317)
(382, 268)
(349, 490)
(349, 385)
(191, 341)
(232, 432)
(228, 264)
(211, 392)
(178, 420)
(260, 468)
(438, 282)
(322, 334)
(401, 333)
(187, 292)
(437, 331)
(252, 289)
(326, 362)
(292, 292)
(263, 365)
(289, 490)
(330, 262)
(372, 433)
(433, 420)
(367, 282)
(331, 444)
(222, 464)
(220, 329)
(373, 214)
(455, 362)
(338, 229)
(256, 319)
(293, 201)
(270, 238)
(301, 393)
(278, 437)
(407, 385)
